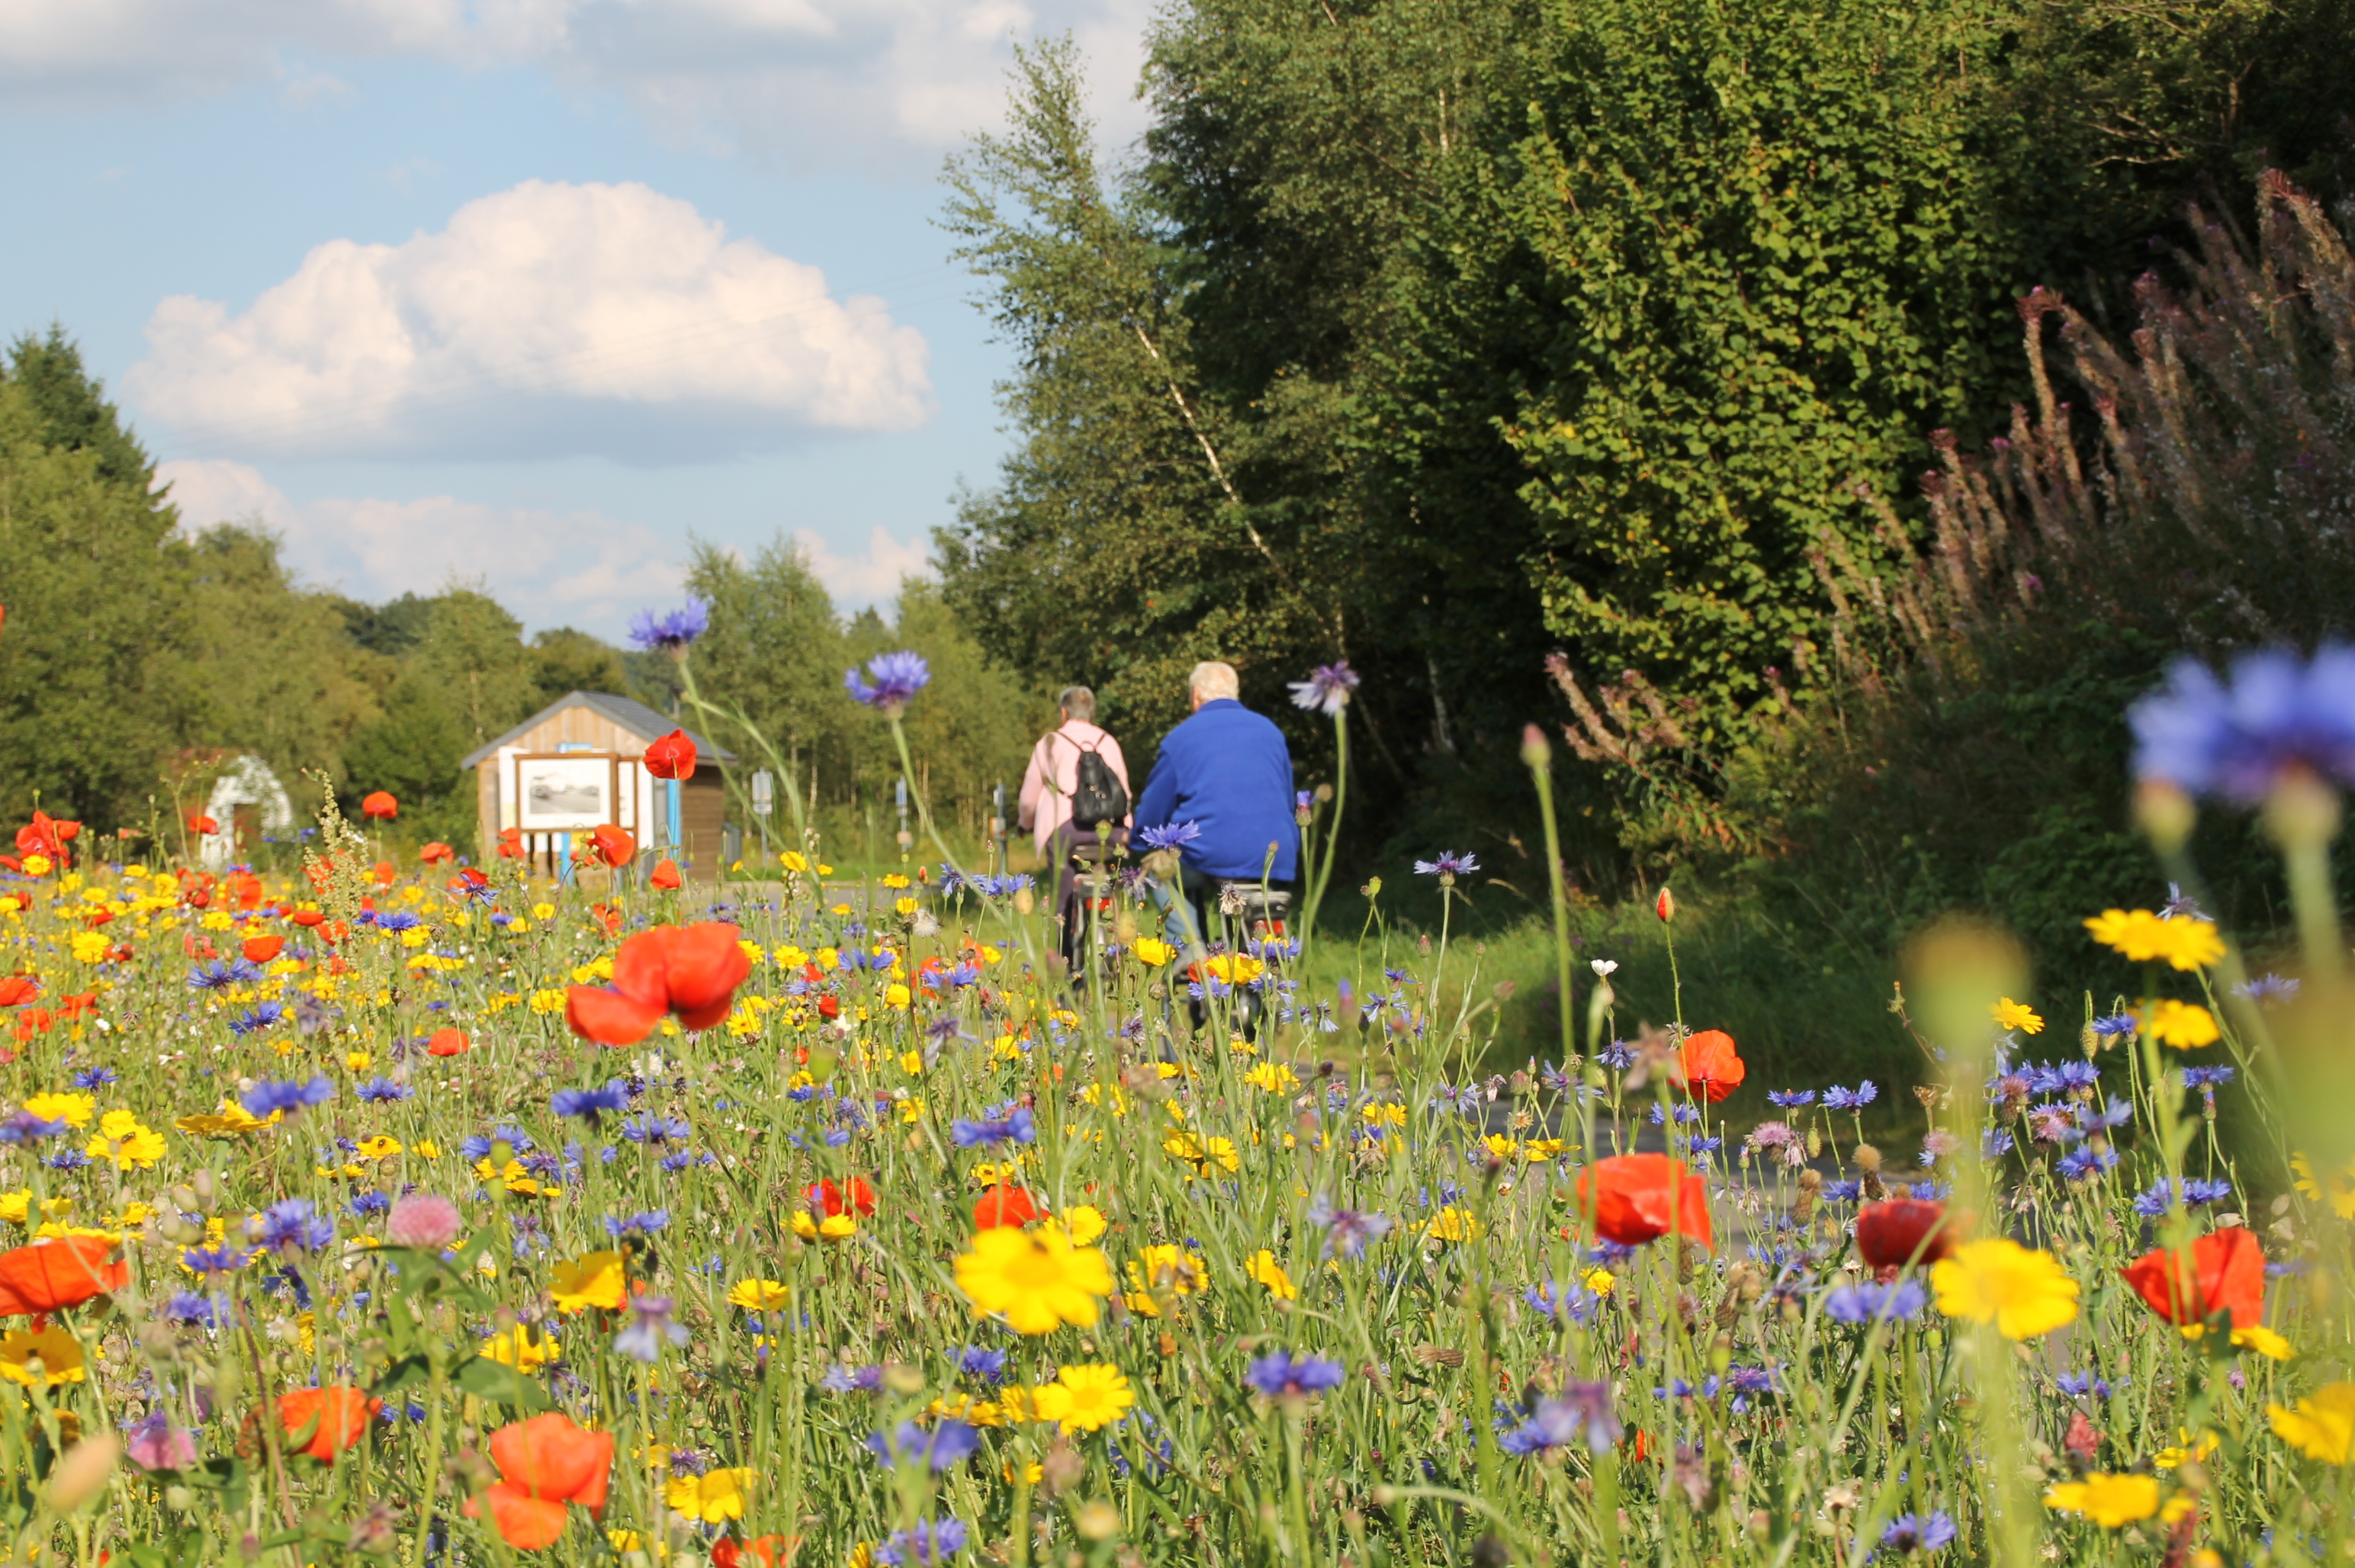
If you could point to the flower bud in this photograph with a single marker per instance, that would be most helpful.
(2302, 811)
(2165, 814)
(1666, 906)
(84, 1472)
(1535, 753)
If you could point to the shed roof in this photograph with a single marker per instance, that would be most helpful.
(627, 712)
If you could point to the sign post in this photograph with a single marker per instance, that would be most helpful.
(764, 801)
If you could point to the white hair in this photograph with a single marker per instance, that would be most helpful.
(1212, 680)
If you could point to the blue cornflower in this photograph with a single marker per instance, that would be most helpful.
(260, 1016)
(1996, 1143)
(27, 1129)
(1839, 1099)
(672, 633)
(2083, 1385)
(1911, 1532)
(1003, 1123)
(296, 1222)
(2279, 711)
(1684, 1114)
(1581, 1410)
(211, 1262)
(2114, 1026)
(841, 1379)
(1841, 1191)
(94, 1078)
(650, 1326)
(943, 1448)
(897, 676)
(1865, 1303)
(2078, 1165)
(222, 974)
(368, 1203)
(2117, 1113)
(189, 1306)
(1326, 690)
(1169, 836)
(1348, 1231)
(1278, 1373)
(1577, 1303)
(2266, 989)
(641, 1224)
(2205, 1079)
(2065, 1078)
(974, 1361)
(2198, 1192)
(267, 1098)
(1450, 864)
(1618, 1056)
(926, 1543)
(66, 1159)
(380, 1091)
(1788, 1098)
(478, 1146)
(650, 1128)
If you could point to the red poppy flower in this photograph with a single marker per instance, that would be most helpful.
(199, 823)
(50, 1276)
(448, 1043)
(510, 844)
(2228, 1270)
(672, 757)
(263, 949)
(1707, 1065)
(765, 1550)
(437, 854)
(307, 917)
(1903, 1230)
(828, 1198)
(1004, 1206)
(469, 880)
(342, 1415)
(79, 1005)
(99, 917)
(545, 1463)
(33, 1021)
(379, 805)
(385, 873)
(666, 874)
(47, 835)
(1638, 1198)
(690, 970)
(17, 989)
(611, 844)
(829, 1007)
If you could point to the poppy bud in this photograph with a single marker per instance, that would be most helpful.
(1535, 753)
(84, 1472)
(1666, 906)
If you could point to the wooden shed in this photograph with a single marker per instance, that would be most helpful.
(577, 763)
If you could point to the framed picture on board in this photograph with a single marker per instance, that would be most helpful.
(567, 794)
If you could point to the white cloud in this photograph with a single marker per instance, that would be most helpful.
(811, 82)
(859, 581)
(550, 568)
(547, 320)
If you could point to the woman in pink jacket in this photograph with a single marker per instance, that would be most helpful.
(1061, 776)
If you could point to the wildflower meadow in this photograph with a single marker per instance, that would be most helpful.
(428, 1212)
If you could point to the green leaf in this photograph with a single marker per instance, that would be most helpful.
(496, 1381)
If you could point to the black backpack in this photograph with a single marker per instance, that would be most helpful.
(1098, 797)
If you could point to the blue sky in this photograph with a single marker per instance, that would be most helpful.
(528, 292)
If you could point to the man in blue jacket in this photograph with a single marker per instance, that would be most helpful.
(1226, 771)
